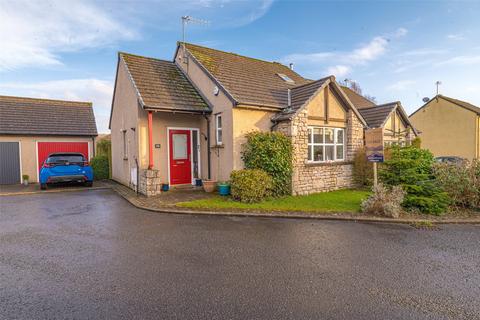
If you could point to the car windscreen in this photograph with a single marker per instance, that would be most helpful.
(58, 159)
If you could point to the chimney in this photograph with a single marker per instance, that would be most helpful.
(291, 66)
(289, 98)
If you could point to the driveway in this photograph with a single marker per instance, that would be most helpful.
(90, 254)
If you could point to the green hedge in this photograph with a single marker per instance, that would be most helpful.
(250, 185)
(412, 168)
(272, 153)
(100, 167)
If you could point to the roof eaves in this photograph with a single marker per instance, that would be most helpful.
(114, 91)
(345, 97)
(131, 79)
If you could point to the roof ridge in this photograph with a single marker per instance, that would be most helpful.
(454, 99)
(239, 55)
(385, 104)
(314, 81)
(141, 56)
(47, 100)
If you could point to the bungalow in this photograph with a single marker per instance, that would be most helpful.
(173, 122)
(397, 128)
(31, 129)
(449, 127)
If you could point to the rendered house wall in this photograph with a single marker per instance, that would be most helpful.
(447, 129)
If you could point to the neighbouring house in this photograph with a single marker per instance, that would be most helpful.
(173, 122)
(449, 127)
(31, 129)
(397, 128)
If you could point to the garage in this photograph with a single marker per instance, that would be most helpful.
(31, 129)
(47, 148)
(10, 172)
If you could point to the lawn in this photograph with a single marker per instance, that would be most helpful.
(327, 202)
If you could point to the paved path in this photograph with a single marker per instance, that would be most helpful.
(90, 254)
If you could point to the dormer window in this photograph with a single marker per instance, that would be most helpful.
(285, 78)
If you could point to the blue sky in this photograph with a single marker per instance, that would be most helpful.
(396, 50)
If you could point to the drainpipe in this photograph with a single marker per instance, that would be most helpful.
(150, 141)
(209, 152)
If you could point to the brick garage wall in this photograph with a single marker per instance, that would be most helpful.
(310, 178)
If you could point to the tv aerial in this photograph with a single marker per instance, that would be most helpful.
(185, 21)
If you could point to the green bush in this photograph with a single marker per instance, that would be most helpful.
(100, 167)
(250, 185)
(412, 168)
(362, 169)
(272, 153)
(461, 182)
(104, 148)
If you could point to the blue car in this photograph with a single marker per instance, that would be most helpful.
(66, 167)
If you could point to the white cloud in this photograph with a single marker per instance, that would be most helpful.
(338, 70)
(401, 85)
(343, 62)
(371, 51)
(401, 32)
(99, 92)
(456, 37)
(460, 60)
(34, 33)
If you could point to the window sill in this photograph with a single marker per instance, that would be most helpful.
(327, 164)
(125, 158)
(217, 146)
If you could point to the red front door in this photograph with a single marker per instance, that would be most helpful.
(180, 157)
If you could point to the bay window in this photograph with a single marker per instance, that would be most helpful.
(326, 144)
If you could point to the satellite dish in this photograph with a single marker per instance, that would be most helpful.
(426, 99)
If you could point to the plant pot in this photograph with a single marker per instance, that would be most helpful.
(25, 182)
(209, 185)
(165, 187)
(198, 182)
(223, 189)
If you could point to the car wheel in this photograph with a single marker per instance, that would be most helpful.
(88, 183)
(43, 186)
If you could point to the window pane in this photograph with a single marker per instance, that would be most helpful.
(329, 153)
(309, 135)
(328, 135)
(219, 121)
(318, 135)
(219, 136)
(309, 153)
(179, 146)
(340, 136)
(339, 152)
(317, 153)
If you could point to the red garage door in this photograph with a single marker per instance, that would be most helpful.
(46, 148)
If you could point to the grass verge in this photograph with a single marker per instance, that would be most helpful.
(326, 202)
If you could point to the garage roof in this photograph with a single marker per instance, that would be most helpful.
(31, 116)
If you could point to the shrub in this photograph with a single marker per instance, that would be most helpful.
(250, 185)
(25, 177)
(362, 169)
(461, 182)
(384, 201)
(100, 167)
(412, 168)
(272, 153)
(104, 148)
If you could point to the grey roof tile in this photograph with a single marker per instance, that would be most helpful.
(30, 116)
(162, 85)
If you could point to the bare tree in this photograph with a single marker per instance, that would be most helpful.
(371, 98)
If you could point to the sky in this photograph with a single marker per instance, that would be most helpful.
(395, 50)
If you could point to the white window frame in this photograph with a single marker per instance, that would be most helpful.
(218, 129)
(311, 144)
